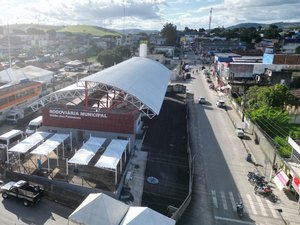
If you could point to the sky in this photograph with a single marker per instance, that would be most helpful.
(148, 14)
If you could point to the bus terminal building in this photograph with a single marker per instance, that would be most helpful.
(110, 103)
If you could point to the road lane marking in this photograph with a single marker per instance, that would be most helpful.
(252, 206)
(214, 198)
(234, 220)
(224, 200)
(261, 205)
(275, 215)
(232, 201)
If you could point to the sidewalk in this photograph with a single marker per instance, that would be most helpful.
(288, 204)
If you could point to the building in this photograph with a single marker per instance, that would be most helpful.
(18, 95)
(290, 45)
(110, 103)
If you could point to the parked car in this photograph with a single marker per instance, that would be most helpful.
(220, 103)
(30, 193)
(202, 100)
(239, 132)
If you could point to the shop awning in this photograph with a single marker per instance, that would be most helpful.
(296, 184)
(87, 151)
(281, 179)
(30, 142)
(112, 154)
(51, 144)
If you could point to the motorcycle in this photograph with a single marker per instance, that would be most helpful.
(240, 209)
(266, 191)
(263, 189)
(255, 178)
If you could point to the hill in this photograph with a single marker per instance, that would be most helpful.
(280, 25)
(87, 29)
(136, 31)
(76, 29)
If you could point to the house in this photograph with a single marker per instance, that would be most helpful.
(290, 45)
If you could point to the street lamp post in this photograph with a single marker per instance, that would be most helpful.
(285, 222)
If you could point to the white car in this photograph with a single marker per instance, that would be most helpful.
(220, 103)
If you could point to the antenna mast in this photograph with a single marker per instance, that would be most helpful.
(8, 43)
(210, 17)
(124, 20)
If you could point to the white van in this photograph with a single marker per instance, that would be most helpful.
(7, 139)
(34, 125)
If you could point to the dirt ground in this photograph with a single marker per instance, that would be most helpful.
(166, 144)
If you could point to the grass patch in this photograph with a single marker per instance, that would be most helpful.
(86, 29)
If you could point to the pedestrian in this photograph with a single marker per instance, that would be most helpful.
(275, 168)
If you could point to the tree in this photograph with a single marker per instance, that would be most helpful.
(32, 30)
(108, 58)
(284, 148)
(124, 51)
(298, 50)
(249, 34)
(272, 32)
(274, 96)
(169, 32)
(201, 31)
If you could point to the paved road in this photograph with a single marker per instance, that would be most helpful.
(12, 212)
(220, 168)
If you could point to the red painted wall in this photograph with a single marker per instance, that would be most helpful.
(107, 122)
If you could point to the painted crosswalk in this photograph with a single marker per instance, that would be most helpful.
(253, 204)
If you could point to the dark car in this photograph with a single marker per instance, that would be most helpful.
(202, 100)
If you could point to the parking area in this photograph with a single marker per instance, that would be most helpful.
(166, 144)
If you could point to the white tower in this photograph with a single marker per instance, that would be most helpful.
(143, 50)
(210, 18)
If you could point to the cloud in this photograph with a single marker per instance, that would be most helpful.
(149, 14)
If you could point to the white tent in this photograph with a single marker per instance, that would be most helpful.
(30, 142)
(50, 145)
(112, 156)
(37, 74)
(145, 216)
(11, 76)
(98, 209)
(87, 151)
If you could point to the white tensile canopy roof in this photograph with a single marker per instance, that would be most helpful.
(141, 82)
(98, 209)
(87, 151)
(145, 215)
(144, 79)
(112, 155)
(50, 144)
(30, 142)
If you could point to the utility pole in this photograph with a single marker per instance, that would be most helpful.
(210, 18)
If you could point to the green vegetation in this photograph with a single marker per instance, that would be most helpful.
(169, 33)
(86, 29)
(110, 57)
(265, 107)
